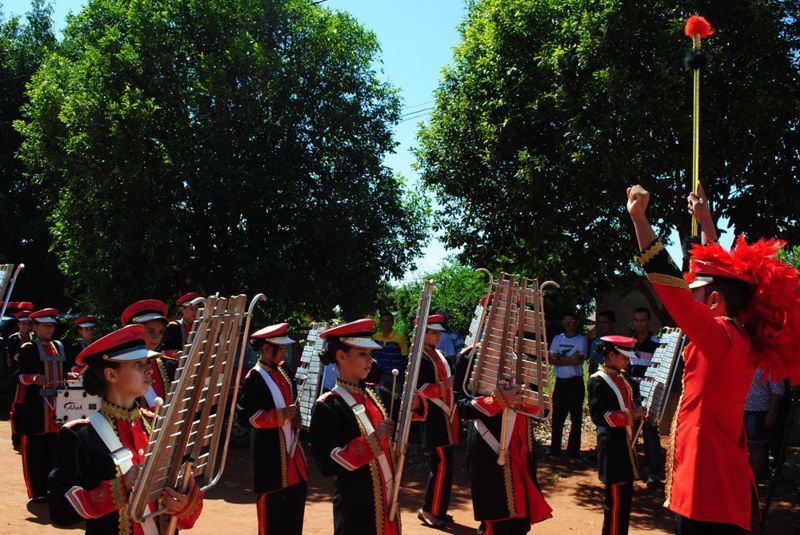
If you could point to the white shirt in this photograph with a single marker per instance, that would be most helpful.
(566, 346)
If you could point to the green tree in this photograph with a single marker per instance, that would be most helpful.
(24, 43)
(225, 145)
(457, 290)
(551, 108)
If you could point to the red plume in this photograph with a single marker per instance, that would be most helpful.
(698, 25)
(772, 318)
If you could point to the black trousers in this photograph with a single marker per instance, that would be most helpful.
(38, 458)
(617, 508)
(514, 526)
(687, 526)
(440, 482)
(280, 512)
(567, 399)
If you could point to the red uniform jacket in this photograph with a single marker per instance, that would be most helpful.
(708, 476)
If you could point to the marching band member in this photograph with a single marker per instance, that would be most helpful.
(741, 311)
(178, 331)
(99, 458)
(268, 406)
(611, 394)
(351, 431)
(440, 426)
(42, 370)
(506, 499)
(87, 326)
(152, 314)
(23, 335)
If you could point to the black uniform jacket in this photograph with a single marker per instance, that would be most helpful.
(613, 457)
(358, 507)
(38, 413)
(493, 486)
(256, 410)
(86, 485)
(438, 427)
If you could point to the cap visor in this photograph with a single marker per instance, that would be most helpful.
(627, 352)
(86, 325)
(435, 327)
(46, 320)
(148, 317)
(361, 343)
(280, 341)
(135, 354)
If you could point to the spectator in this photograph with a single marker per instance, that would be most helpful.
(760, 415)
(451, 342)
(604, 325)
(393, 353)
(646, 345)
(567, 353)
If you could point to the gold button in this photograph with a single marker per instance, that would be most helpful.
(141, 451)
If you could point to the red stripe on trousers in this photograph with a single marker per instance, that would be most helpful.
(262, 514)
(25, 474)
(614, 508)
(439, 486)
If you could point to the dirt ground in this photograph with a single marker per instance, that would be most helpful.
(571, 488)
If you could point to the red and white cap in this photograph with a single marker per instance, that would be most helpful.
(45, 315)
(436, 322)
(23, 315)
(274, 334)
(86, 321)
(186, 299)
(144, 311)
(622, 344)
(354, 334)
(125, 345)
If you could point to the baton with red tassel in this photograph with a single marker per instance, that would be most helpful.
(697, 28)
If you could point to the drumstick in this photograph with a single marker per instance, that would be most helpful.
(395, 373)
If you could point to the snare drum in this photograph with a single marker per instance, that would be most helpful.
(74, 403)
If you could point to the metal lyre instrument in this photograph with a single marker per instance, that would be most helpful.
(191, 437)
(409, 389)
(511, 348)
(8, 278)
(656, 385)
(309, 373)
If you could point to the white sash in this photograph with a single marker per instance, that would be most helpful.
(487, 435)
(361, 414)
(122, 457)
(280, 403)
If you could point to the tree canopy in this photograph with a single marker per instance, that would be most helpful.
(24, 43)
(457, 291)
(551, 108)
(221, 146)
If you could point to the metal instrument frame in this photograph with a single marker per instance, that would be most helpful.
(409, 389)
(7, 284)
(197, 405)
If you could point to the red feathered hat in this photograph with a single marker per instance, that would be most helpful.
(772, 317)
